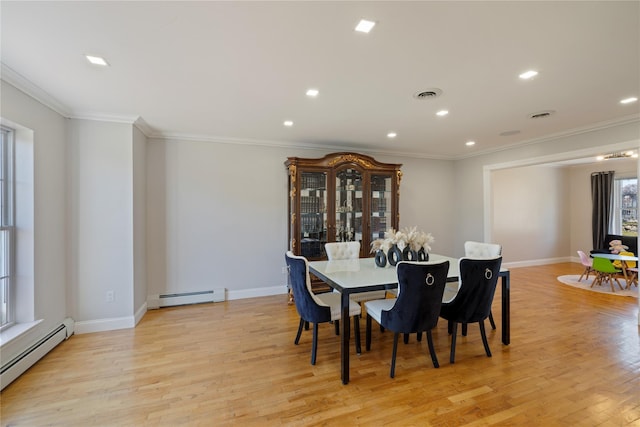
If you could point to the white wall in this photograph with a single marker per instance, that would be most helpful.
(531, 213)
(101, 224)
(49, 234)
(139, 223)
(217, 214)
(426, 190)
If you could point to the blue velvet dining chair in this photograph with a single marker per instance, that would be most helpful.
(416, 309)
(481, 250)
(315, 309)
(472, 303)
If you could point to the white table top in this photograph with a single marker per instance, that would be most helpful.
(615, 257)
(356, 275)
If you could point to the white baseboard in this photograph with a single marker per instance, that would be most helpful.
(534, 262)
(101, 325)
(140, 313)
(257, 292)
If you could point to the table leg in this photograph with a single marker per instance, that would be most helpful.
(344, 339)
(624, 273)
(506, 307)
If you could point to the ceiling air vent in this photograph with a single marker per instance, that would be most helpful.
(541, 114)
(428, 94)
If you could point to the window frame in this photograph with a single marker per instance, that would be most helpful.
(7, 225)
(617, 217)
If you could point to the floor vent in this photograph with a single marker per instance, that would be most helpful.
(168, 300)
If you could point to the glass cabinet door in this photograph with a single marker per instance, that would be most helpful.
(348, 205)
(313, 214)
(381, 209)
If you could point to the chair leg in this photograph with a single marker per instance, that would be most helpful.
(314, 346)
(306, 326)
(367, 339)
(419, 336)
(356, 326)
(393, 355)
(618, 282)
(586, 272)
(484, 338)
(302, 323)
(597, 280)
(464, 329)
(337, 324)
(406, 338)
(493, 324)
(454, 332)
(432, 350)
(633, 280)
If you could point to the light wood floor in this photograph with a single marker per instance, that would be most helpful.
(574, 360)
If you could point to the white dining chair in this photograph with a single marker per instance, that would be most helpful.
(350, 250)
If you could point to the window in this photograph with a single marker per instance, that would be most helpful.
(7, 226)
(625, 204)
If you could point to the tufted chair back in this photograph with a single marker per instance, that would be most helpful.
(342, 250)
(482, 250)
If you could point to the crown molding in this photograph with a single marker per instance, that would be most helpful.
(25, 85)
(143, 127)
(112, 118)
(282, 144)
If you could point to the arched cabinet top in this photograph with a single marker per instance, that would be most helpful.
(336, 160)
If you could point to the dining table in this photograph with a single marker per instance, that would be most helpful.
(362, 275)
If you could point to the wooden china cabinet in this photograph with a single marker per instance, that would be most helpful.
(340, 197)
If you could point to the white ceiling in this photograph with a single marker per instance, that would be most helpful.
(234, 71)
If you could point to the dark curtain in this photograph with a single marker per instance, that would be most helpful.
(602, 200)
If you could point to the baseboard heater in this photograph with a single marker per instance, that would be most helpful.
(213, 295)
(23, 361)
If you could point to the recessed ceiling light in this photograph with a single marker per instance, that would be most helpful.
(312, 93)
(528, 74)
(96, 60)
(288, 123)
(600, 158)
(629, 100)
(442, 113)
(470, 143)
(365, 26)
(392, 135)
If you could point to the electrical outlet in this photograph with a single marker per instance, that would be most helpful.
(110, 296)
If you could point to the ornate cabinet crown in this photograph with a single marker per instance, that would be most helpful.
(340, 197)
